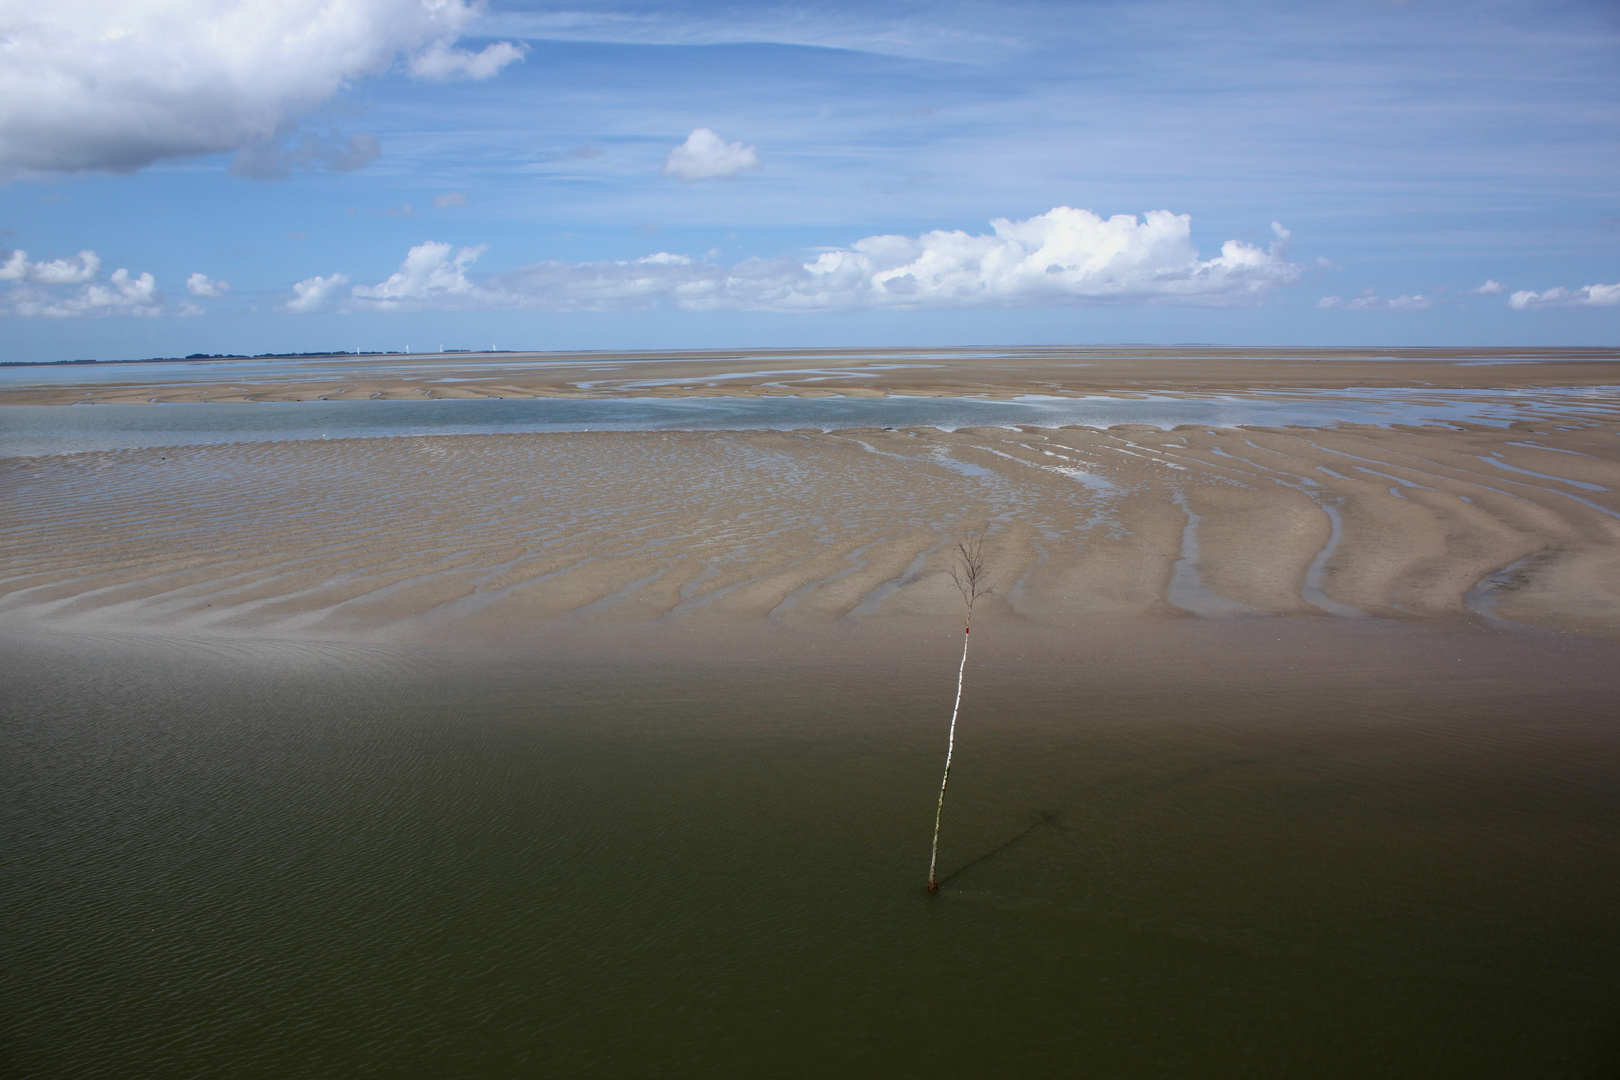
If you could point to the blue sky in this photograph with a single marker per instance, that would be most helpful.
(378, 174)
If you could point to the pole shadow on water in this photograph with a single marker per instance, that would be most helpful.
(1044, 817)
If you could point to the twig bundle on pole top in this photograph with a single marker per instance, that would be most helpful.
(968, 572)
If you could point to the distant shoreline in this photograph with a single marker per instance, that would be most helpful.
(206, 357)
(1528, 351)
(957, 372)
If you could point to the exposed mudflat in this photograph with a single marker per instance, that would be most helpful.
(420, 535)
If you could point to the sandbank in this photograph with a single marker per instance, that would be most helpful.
(470, 536)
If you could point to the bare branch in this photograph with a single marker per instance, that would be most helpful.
(968, 567)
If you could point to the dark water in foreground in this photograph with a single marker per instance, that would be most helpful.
(311, 861)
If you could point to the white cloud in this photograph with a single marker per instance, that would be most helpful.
(119, 84)
(81, 268)
(450, 198)
(122, 293)
(1585, 296)
(1065, 256)
(429, 276)
(706, 156)
(312, 294)
(65, 288)
(200, 284)
(441, 63)
(63, 292)
(1367, 301)
(1492, 287)
(1418, 302)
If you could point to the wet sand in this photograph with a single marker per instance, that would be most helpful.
(867, 372)
(495, 534)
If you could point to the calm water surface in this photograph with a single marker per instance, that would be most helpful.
(48, 429)
(334, 861)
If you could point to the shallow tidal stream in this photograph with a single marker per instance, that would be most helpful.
(1377, 850)
(53, 429)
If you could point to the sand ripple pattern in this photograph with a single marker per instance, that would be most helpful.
(469, 533)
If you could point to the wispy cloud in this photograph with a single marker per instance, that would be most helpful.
(1063, 257)
(1311, 107)
(1369, 301)
(440, 62)
(1585, 296)
(276, 158)
(1492, 287)
(933, 31)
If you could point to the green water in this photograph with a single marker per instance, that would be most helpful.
(231, 860)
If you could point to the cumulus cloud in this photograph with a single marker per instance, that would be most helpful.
(65, 288)
(72, 271)
(1065, 256)
(314, 293)
(202, 285)
(1492, 287)
(1368, 301)
(429, 276)
(1585, 296)
(118, 84)
(706, 156)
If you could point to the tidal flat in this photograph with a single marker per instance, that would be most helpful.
(1288, 746)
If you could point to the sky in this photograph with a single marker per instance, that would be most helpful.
(222, 176)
